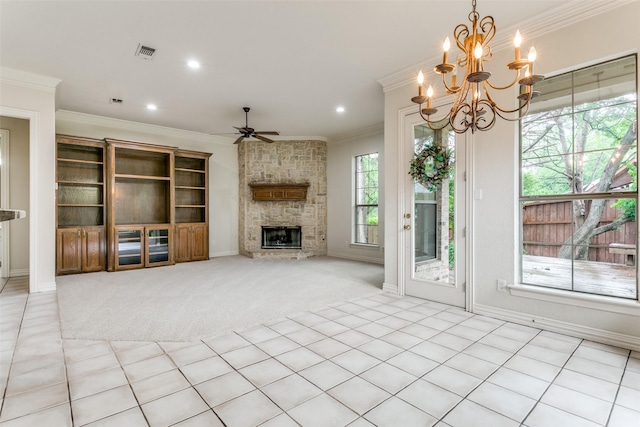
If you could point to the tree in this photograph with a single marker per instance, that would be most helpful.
(577, 150)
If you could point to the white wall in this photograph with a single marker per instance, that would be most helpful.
(340, 194)
(32, 97)
(223, 166)
(494, 171)
(18, 164)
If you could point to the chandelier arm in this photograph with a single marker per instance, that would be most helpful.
(515, 80)
(500, 110)
(483, 118)
(488, 27)
(432, 123)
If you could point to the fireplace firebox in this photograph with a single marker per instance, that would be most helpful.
(281, 237)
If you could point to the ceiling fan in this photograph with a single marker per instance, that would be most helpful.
(247, 132)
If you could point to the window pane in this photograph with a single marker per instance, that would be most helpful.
(579, 142)
(366, 199)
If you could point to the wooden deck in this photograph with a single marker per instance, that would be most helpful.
(589, 276)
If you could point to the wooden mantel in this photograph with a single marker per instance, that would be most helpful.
(274, 192)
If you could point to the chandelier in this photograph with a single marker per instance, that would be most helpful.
(473, 106)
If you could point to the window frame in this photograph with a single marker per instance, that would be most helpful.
(357, 206)
(579, 298)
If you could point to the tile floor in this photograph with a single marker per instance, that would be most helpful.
(382, 360)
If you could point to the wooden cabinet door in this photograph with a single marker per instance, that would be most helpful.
(183, 243)
(199, 242)
(158, 245)
(69, 251)
(93, 249)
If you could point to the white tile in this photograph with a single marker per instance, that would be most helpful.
(554, 343)
(205, 419)
(281, 391)
(247, 410)
(412, 363)
(286, 326)
(546, 355)
(330, 313)
(402, 340)
(244, 356)
(89, 366)
(629, 398)
(158, 386)
(33, 401)
(148, 367)
(306, 336)
(468, 413)
(174, 408)
(452, 380)
(355, 361)
(420, 331)
(434, 351)
(601, 356)
(466, 332)
(224, 388)
(353, 338)
(206, 369)
(393, 322)
(352, 321)
(170, 346)
(502, 401)
(374, 330)
(623, 417)
(631, 380)
(435, 323)
(411, 316)
(299, 359)
(587, 384)
(545, 416)
(322, 411)
(359, 395)
(380, 349)
(307, 319)
(472, 365)
(396, 412)
(276, 346)
(330, 328)
(131, 418)
(59, 416)
(282, 420)
(95, 383)
(481, 323)
(37, 378)
(605, 347)
(577, 403)
(516, 332)
(502, 343)
(520, 383)
(137, 354)
(326, 374)
(388, 377)
(595, 369)
(451, 341)
(265, 372)
(258, 334)
(192, 354)
(488, 353)
(535, 368)
(633, 365)
(101, 405)
(227, 342)
(328, 348)
(86, 352)
(440, 401)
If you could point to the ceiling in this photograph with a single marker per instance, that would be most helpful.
(292, 62)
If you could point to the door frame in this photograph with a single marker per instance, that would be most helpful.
(404, 115)
(5, 256)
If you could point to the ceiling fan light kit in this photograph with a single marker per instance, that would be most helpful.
(248, 132)
(473, 105)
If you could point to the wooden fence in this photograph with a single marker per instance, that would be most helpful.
(547, 225)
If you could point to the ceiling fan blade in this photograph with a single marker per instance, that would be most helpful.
(267, 132)
(262, 138)
(239, 140)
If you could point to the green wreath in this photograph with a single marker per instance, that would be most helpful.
(431, 165)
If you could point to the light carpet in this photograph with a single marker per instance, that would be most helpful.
(197, 300)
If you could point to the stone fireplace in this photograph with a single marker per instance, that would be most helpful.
(281, 237)
(282, 185)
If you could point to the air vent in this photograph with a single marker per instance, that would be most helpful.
(115, 101)
(145, 52)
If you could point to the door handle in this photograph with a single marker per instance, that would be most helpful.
(407, 227)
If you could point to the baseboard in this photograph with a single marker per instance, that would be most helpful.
(47, 287)
(223, 253)
(19, 272)
(343, 255)
(388, 287)
(580, 331)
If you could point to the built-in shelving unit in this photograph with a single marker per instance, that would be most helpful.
(80, 205)
(120, 204)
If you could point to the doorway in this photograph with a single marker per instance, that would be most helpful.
(434, 220)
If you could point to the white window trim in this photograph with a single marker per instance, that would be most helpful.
(591, 301)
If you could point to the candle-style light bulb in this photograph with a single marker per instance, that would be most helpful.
(429, 96)
(517, 41)
(477, 52)
(420, 81)
(445, 47)
(532, 58)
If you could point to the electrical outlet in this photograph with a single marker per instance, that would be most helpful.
(502, 285)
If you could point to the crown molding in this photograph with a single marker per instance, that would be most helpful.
(15, 77)
(377, 129)
(127, 125)
(566, 14)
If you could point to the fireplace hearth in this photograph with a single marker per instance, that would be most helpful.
(283, 237)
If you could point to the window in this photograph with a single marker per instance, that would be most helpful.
(579, 190)
(366, 199)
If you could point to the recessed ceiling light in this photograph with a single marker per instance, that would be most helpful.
(193, 64)
(340, 109)
(151, 107)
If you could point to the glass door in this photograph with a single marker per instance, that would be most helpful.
(158, 243)
(434, 220)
